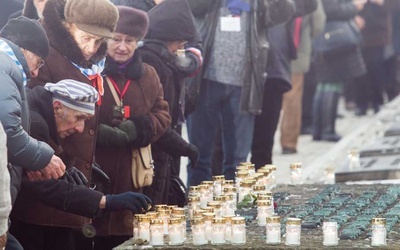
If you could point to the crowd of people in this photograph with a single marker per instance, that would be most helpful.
(86, 84)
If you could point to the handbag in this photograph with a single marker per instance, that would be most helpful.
(338, 37)
(142, 159)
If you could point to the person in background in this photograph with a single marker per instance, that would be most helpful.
(34, 8)
(78, 39)
(171, 26)
(23, 45)
(306, 28)
(139, 91)
(8, 8)
(5, 196)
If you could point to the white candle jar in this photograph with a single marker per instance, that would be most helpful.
(183, 223)
(218, 180)
(210, 185)
(217, 207)
(238, 231)
(264, 210)
(330, 231)
(208, 217)
(175, 232)
(273, 230)
(136, 225)
(230, 190)
(218, 231)
(293, 232)
(193, 204)
(144, 228)
(379, 232)
(164, 215)
(156, 232)
(296, 173)
(199, 232)
(228, 228)
(245, 189)
(230, 205)
(204, 195)
(240, 175)
(194, 191)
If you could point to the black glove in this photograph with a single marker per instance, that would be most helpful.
(98, 175)
(193, 154)
(136, 202)
(74, 176)
(129, 128)
(111, 136)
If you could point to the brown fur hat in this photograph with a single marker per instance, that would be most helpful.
(97, 17)
(132, 22)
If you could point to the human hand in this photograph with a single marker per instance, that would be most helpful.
(55, 169)
(136, 202)
(74, 176)
(360, 22)
(193, 154)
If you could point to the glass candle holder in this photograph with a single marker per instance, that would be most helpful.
(208, 217)
(218, 180)
(330, 175)
(193, 204)
(230, 190)
(182, 217)
(230, 205)
(296, 173)
(152, 215)
(293, 232)
(218, 231)
(157, 232)
(175, 232)
(379, 232)
(204, 195)
(217, 207)
(259, 189)
(179, 211)
(238, 231)
(353, 159)
(194, 191)
(264, 210)
(199, 232)
(144, 228)
(210, 185)
(240, 175)
(330, 231)
(273, 176)
(273, 230)
(160, 207)
(228, 183)
(228, 227)
(164, 215)
(136, 225)
(250, 167)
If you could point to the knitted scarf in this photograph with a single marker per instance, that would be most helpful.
(4, 47)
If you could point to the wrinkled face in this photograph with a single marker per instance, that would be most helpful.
(88, 43)
(34, 62)
(122, 47)
(69, 121)
(39, 5)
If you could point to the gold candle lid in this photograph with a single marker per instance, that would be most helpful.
(246, 183)
(379, 221)
(295, 165)
(220, 198)
(178, 210)
(144, 219)
(164, 212)
(179, 216)
(156, 222)
(197, 221)
(228, 183)
(160, 207)
(218, 177)
(264, 171)
(272, 167)
(209, 216)
(238, 220)
(229, 189)
(259, 187)
(241, 168)
(293, 221)
(218, 220)
(230, 197)
(208, 209)
(245, 163)
(214, 204)
(136, 216)
(194, 199)
(152, 215)
(203, 188)
(264, 196)
(174, 221)
(171, 207)
(242, 173)
(198, 212)
(228, 218)
(274, 219)
(194, 189)
(261, 203)
(209, 183)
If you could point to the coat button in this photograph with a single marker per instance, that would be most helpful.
(88, 166)
(91, 132)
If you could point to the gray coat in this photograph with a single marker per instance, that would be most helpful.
(265, 13)
(23, 150)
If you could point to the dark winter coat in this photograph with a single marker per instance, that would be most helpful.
(78, 148)
(144, 5)
(30, 10)
(149, 112)
(57, 194)
(264, 14)
(7, 8)
(341, 66)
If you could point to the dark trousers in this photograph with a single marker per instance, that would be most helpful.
(310, 85)
(266, 124)
(12, 243)
(36, 237)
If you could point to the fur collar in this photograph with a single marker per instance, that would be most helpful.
(134, 70)
(60, 38)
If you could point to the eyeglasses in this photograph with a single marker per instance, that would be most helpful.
(40, 63)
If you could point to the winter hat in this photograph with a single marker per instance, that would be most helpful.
(75, 95)
(171, 20)
(97, 17)
(28, 34)
(132, 22)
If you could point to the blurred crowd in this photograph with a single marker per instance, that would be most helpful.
(88, 87)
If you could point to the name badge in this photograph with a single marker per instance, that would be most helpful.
(230, 24)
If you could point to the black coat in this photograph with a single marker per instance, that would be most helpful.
(341, 66)
(58, 194)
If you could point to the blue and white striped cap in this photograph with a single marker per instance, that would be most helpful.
(75, 95)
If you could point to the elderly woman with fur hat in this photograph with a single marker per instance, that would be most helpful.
(144, 117)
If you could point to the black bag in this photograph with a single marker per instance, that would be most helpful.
(338, 37)
(177, 192)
